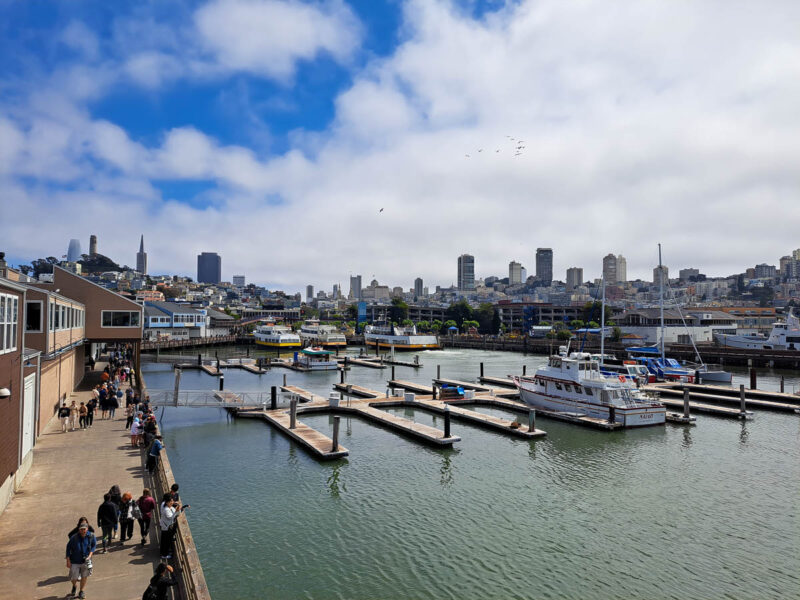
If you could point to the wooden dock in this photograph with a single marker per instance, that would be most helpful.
(357, 390)
(463, 384)
(498, 381)
(319, 444)
(410, 386)
(365, 363)
(732, 400)
(303, 395)
(711, 409)
(427, 434)
(476, 418)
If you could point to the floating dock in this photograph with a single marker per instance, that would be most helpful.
(365, 363)
(417, 388)
(357, 390)
(717, 394)
(498, 381)
(303, 395)
(319, 444)
(470, 416)
(212, 369)
(711, 409)
(463, 384)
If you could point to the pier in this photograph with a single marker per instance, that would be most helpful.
(411, 386)
(498, 381)
(711, 409)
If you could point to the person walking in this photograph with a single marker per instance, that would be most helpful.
(135, 432)
(128, 416)
(103, 402)
(116, 499)
(82, 412)
(153, 453)
(73, 416)
(75, 529)
(160, 582)
(126, 517)
(113, 403)
(63, 415)
(147, 505)
(170, 511)
(107, 519)
(90, 408)
(80, 549)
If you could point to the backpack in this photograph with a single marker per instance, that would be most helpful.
(151, 593)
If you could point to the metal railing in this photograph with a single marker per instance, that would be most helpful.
(217, 399)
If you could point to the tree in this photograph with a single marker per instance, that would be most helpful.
(459, 312)
(544, 323)
(576, 323)
(467, 324)
(398, 311)
(564, 334)
(407, 323)
(488, 318)
(594, 325)
(616, 334)
(170, 292)
(352, 312)
(448, 324)
(591, 309)
(436, 326)
(423, 326)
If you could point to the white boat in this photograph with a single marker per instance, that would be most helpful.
(276, 336)
(575, 384)
(401, 338)
(322, 335)
(784, 336)
(315, 359)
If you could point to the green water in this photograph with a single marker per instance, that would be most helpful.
(669, 512)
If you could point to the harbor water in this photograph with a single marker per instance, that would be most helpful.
(669, 512)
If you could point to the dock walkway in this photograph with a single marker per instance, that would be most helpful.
(719, 398)
(70, 473)
(411, 386)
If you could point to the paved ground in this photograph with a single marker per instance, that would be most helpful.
(70, 473)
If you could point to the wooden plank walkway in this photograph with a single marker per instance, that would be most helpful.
(733, 400)
(405, 426)
(463, 384)
(319, 444)
(417, 388)
(358, 391)
(480, 419)
(567, 417)
(365, 363)
(711, 409)
(304, 395)
(499, 381)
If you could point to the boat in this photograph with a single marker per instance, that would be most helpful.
(785, 335)
(315, 358)
(276, 336)
(574, 383)
(326, 336)
(399, 338)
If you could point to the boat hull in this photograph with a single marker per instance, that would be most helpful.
(715, 376)
(278, 344)
(403, 342)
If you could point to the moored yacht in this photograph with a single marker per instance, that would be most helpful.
(784, 336)
(276, 336)
(401, 338)
(575, 384)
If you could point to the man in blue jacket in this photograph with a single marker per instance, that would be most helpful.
(80, 548)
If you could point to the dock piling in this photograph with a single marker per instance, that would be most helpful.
(686, 402)
(532, 419)
(782, 384)
(438, 371)
(392, 371)
(753, 379)
(273, 398)
(199, 360)
(341, 375)
(434, 391)
(446, 421)
(481, 370)
(221, 382)
(284, 380)
(524, 370)
(612, 413)
(742, 403)
(293, 413)
(335, 445)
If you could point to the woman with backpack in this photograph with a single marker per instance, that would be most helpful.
(160, 582)
(147, 505)
(126, 517)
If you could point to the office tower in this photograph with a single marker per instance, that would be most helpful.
(466, 272)
(335, 291)
(238, 280)
(687, 274)
(309, 292)
(74, 251)
(418, 287)
(622, 269)
(610, 268)
(209, 267)
(544, 265)
(574, 278)
(656, 279)
(92, 245)
(514, 272)
(355, 287)
(141, 258)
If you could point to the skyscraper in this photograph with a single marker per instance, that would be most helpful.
(141, 258)
(574, 278)
(466, 272)
(355, 287)
(74, 251)
(622, 269)
(92, 245)
(656, 275)
(309, 292)
(209, 267)
(544, 265)
(514, 273)
(238, 280)
(418, 287)
(610, 268)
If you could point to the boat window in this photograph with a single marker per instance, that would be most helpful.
(589, 391)
(567, 387)
(558, 386)
(577, 389)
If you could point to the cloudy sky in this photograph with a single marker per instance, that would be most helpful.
(274, 132)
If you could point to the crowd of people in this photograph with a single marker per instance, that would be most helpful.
(119, 512)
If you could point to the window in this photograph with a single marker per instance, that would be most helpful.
(588, 391)
(9, 307)
(558, 386)
(567, 387)
(120, 318)
(33, 316)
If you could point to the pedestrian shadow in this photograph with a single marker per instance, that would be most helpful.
(53, 580)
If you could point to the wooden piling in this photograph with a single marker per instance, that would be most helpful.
(782, 384)
(341, 376)
(284, 380)
(532, 419)
(392, 372)
(742, 402)
(753, 379)
(446, 421)
(481, 369)
(221, 382)
(524, 370)
(612, 413)
(438, 371)
(335, 445)
(686, 402)
(293, 413)
(199, 360)
(273, 398)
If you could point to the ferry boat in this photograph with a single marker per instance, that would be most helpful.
(575, 384)
(784, 336)
(322, 335)
(401, 338)
(315, 359)
(276, 336)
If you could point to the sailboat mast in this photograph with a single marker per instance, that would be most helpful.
(661, 298)
(603, 323)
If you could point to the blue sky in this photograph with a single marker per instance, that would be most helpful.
(274, 131)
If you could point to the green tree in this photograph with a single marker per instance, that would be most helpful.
(352, 312)
(564, 334)
(467, 324)
(423, 326)
(407, 323)
(448, 324)
(576, 323)
(398, 311)
(459, 312)
(591, 310)
(544, 323)
(594, 325)
(488, 318)
(616, 334)
(436, 326)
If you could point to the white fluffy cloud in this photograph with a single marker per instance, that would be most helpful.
(643, 122)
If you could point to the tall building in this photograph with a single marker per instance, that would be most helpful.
(796, 254)
(418, 287)
(92, 245)
(514, 273)
(574, 278)
(687, 274)
(74, 251)
(238, 280)
(209, 267)
(610, 268)
(355, 287)
(309, 292)
(466, 272)
(656, 279)
(141, 258)
(622, 269)
(544, 265)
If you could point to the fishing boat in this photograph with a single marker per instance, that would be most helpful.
(574, 383)
(312, 332)
(315, 358)
(785, 335)
(276, 336)
(399, 338)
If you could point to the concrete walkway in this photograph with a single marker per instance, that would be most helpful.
(70, 473)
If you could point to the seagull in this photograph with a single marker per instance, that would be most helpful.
(481, 150)
(380, 211)
(467, 155)
(498, 150)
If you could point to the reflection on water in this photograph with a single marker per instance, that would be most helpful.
(577, 514)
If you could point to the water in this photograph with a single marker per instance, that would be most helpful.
(668, 512)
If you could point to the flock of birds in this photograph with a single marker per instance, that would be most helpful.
(519, 146)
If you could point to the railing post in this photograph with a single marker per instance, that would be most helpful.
(335, 447)
(292, 413)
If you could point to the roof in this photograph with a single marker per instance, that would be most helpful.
(219, 315)
(172, 307)
(153, 311)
